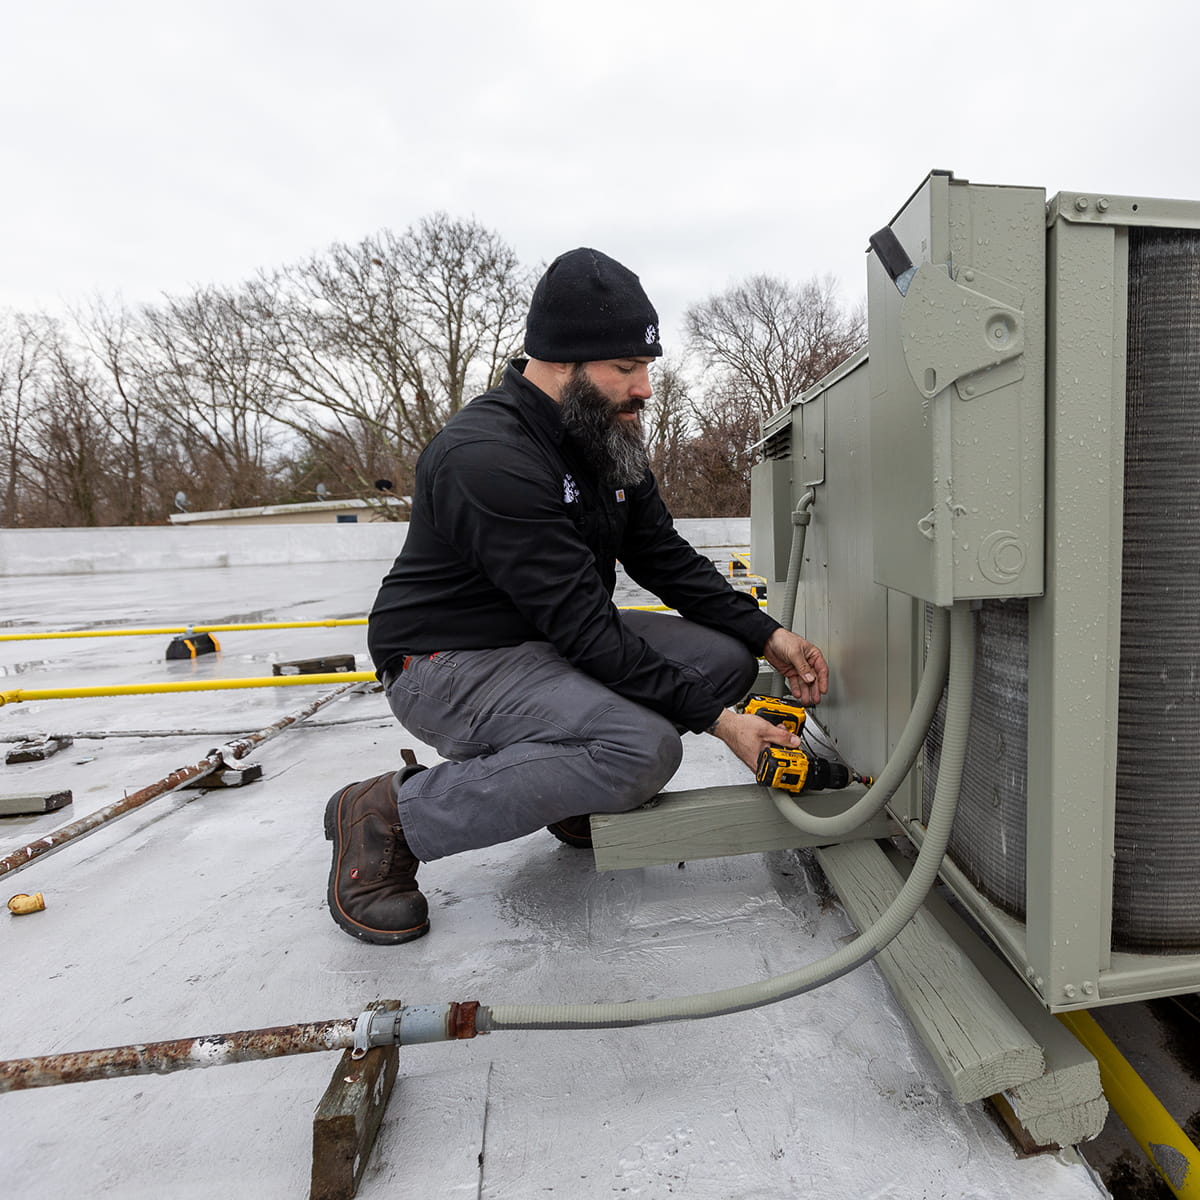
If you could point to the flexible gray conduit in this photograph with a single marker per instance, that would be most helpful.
(833, 966)
(933, 680)
(791, 587)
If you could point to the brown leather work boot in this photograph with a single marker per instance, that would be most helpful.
(574, 831)
(373, 892)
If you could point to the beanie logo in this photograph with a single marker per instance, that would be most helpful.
(570, 491)
(651, 335)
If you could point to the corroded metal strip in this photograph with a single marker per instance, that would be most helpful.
(461, 1021)
(214, 761)
(162, 1058)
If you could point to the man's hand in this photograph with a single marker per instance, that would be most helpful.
(746, 735)
(800, 662)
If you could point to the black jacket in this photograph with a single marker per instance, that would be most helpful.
(513, 539)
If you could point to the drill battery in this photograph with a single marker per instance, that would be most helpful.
(777, 710)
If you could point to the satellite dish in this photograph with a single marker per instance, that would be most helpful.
(322, 491)
(181, 501)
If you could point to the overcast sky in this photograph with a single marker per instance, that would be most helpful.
(151, 146)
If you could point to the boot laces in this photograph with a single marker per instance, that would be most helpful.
(395, 833)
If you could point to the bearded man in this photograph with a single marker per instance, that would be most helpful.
(495, 633)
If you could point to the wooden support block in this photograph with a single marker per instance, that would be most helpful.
(980, 1047)
(713, 823)
(315, 666)
(1063, 1106)
(36, 749)
(231, 776)
(19, 804)
(1020, 1135)
(348, 1118)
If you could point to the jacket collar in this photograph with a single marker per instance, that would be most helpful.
(543, 411)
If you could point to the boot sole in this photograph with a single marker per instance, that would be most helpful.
(364, 933)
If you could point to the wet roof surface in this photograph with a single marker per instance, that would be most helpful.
(205, 913)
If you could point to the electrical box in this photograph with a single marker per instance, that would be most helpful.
(956, 286)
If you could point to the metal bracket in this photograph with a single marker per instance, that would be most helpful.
(376, 1026)
(968, 330)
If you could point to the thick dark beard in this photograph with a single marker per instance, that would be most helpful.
(616, 448)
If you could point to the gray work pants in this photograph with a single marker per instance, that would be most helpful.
(530, 739)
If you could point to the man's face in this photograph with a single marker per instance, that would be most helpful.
(625, 383)
(601, 405)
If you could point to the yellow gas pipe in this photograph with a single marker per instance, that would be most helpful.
(1155, 1130)
(176, 629)
(17, 695)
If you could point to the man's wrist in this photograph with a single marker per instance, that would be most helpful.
(713, 727)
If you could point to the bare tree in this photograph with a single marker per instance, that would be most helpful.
(667, 421)
(114, 342)
(718, 456)
(375, 345)
(775, 338)
(203, 370)
(21, 361)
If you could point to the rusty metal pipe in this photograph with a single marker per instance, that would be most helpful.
(56, 839)
(406, 1025)
(162, 1058)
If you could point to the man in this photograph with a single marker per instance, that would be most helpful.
(495, 634)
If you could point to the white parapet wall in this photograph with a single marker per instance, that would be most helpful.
(156, 548)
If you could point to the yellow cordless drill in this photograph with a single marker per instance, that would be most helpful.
(795, 770)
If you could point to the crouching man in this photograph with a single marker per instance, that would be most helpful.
(495, 632)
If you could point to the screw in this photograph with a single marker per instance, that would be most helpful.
(969, 390)
(1081, 203)
(969, 276)
(1069, 991)
(1088, 987)
(1102, 205)
(1037, 983)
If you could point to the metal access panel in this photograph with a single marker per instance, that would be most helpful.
(819, 446)
(956, 300)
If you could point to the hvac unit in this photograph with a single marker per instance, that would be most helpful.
(1024, 435)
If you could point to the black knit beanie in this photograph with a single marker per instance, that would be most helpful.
(589, 308)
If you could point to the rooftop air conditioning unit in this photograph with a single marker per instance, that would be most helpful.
(1025, 434)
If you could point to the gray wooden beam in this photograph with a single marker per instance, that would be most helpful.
(713, 823)
(1065, 1105)
(977, 1043)
(17, 804)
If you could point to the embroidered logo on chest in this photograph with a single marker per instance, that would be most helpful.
(620, 494)
(570, 491)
